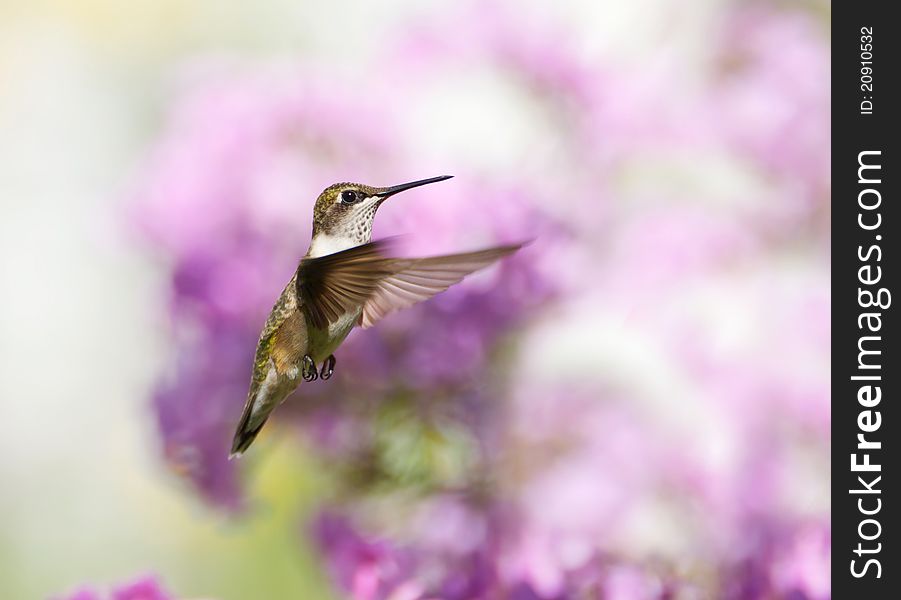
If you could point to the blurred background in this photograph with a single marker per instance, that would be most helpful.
(635, 406)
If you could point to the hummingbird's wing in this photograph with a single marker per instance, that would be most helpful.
(416, 279)
(330, 286)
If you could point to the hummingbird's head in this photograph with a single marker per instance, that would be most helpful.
(344, 212)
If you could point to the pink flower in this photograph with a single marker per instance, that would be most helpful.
(143, 588)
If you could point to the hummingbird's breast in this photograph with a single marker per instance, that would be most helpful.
(324, 342)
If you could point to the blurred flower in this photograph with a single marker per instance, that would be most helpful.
(145, 588)
(365, 569)
(774, 101)
(803, 566)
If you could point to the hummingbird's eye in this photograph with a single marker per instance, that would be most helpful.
(348, 196)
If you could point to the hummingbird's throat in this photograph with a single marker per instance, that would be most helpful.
(343, 231)
(325, 243)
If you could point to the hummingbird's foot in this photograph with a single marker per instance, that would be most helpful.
(308, 369)
(328, 367)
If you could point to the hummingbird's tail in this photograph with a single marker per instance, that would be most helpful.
(244, 437)
(248, 428)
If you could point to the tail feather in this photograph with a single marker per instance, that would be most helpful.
(244, 437)
(248, 427)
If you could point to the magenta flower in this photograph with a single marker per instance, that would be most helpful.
(144, 588)
(774, 100)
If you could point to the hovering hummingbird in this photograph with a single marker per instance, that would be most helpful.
(344, 280)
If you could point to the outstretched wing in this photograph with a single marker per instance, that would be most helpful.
(333, 285)
(330, 286)
(418, 279)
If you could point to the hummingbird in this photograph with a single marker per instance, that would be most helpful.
(344, 280)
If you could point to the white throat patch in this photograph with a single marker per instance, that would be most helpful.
(324, 244)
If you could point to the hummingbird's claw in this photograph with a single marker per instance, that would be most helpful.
(328, 367)
(308, 369)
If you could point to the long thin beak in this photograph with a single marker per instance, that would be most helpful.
(394, 189)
